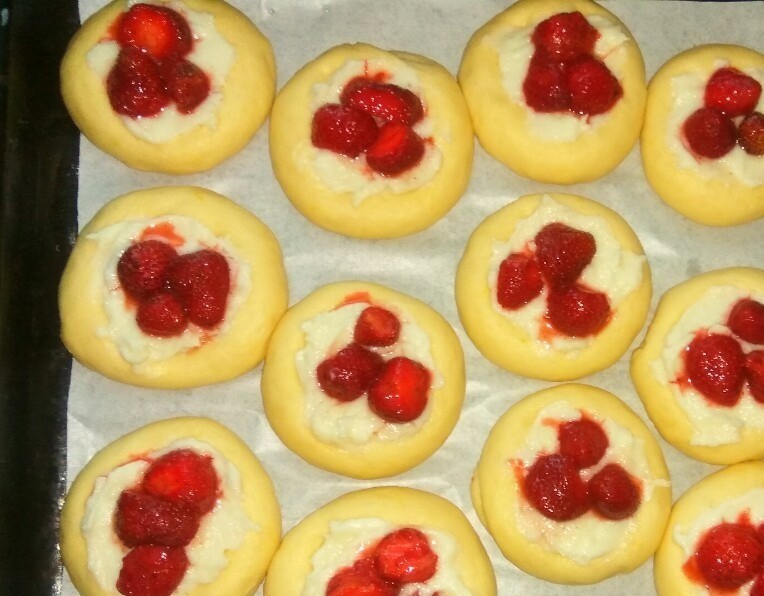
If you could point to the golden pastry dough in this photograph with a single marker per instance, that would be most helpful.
(710, 492)
(239, 345)
(504, 126)
(400, 506)
(671, 421)
(495, 490)
(284, 394)
(384, 214)
(247, 96)
(502, 341)
(246, 565)
(718, 198)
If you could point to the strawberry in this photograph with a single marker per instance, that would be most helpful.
(545, 86)
(732, 92)
(554, 488)
(183, 477)
(157, 30)
(142, 268)
(614, 493)
(387, 102)
(187, 84)
(405, 556)
(593, 88)
(746, 320)
(709, 133)
(134, 85)
(201, 280)
(152, 570)
(565, 35)
(582, 441)
(714, 365)
(397, 149)
(519, 281)
(349, 373)
(376, 326)
(161, 315)
(359, 579)
(750, 134)
(400, 393)
(576, 311)
(563, 252)
(729, 555)
(142, 518)
(343, 129)
(757, 589)
(754, 374)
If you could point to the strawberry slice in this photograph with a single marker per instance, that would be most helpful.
(554, 488)
(185, 478)
(732, 92)
(750, 134)
(729, 555)
(593, 88)
(343, 129)
(405, 556)
(158, 30)
(376, 326)
(614, 493)
(389, 103)
(359, 579)
(714, 365)
(142, 518)
(565, 35)
(577, 311)
(519, 281)
(746, 320)
(545, 86)
(135, 86)
(349, 373)
(201, 280)
(709, 133)
(563, 252)
(187, 84)
(142, 268)
(754, 374)
(400, 393)
(583, 441)
(161, 315)
(152, 570)
(397, 149)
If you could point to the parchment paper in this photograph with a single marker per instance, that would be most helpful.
(422, 265)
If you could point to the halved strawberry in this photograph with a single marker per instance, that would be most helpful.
(732, 92)
(714, 365)
(343, 129)
(152, 570)
(376, 326)
(405, 556)
(159, 30)
(142, 268)
(729, 555)
(349, 373)
(614, 493)
(593, 88)
(746, 320)
(577, 311)
(750, 134)
(518, 282)
(583, 441)
(161, 315)
(359, 579)
(187, 84)
(397, 149)
(754, 374)
(201, 280)
(183, 477)
(400, 393)
(385, 101)
(554, 488)
(142, 518)
(563, 252)
(565, 35)
(709, 133)
(545, 87)
(134, 85)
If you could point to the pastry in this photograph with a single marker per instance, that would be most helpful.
(370, 143)
(700, 368)
(184, 497)
(714, 542)
(172, 287)
(556, 89)
(572, 486)
(391, 540)
(553, 287)
(703, 139)
(172, 86)
(362, 380)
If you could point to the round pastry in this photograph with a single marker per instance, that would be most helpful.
(553, 287)
(700, 368)
(172, 86)
(395, 540)
(172, 287)
(362, 380)
(556, 89)
(714, 542)
(703, 139)
(572, 486)
(370, 143)
(183, 499)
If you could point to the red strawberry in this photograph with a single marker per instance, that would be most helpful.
(400, 393)
(754, 374)
(583, 441)
(187, 84)
(360, 579)
(563, 252)
(729, 555)
(565, 35)
(158, 30)
(614, 493)
(518, 282)
(714, 364)
(376, 326)
(150, 570)
(757, 589)
(349, 373)
(201, 280)
(750, 134)
(576, 311)
(709, 133)
(142, 268)
(161, 315)
(343, 129)
(185, 478)
(545, 86)
(732, 92)
(135, 86)
(397, 149)
(385, 101)
(593, 88)
(142, 518)
(746, 320)
(554, 488)
(405, 556)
